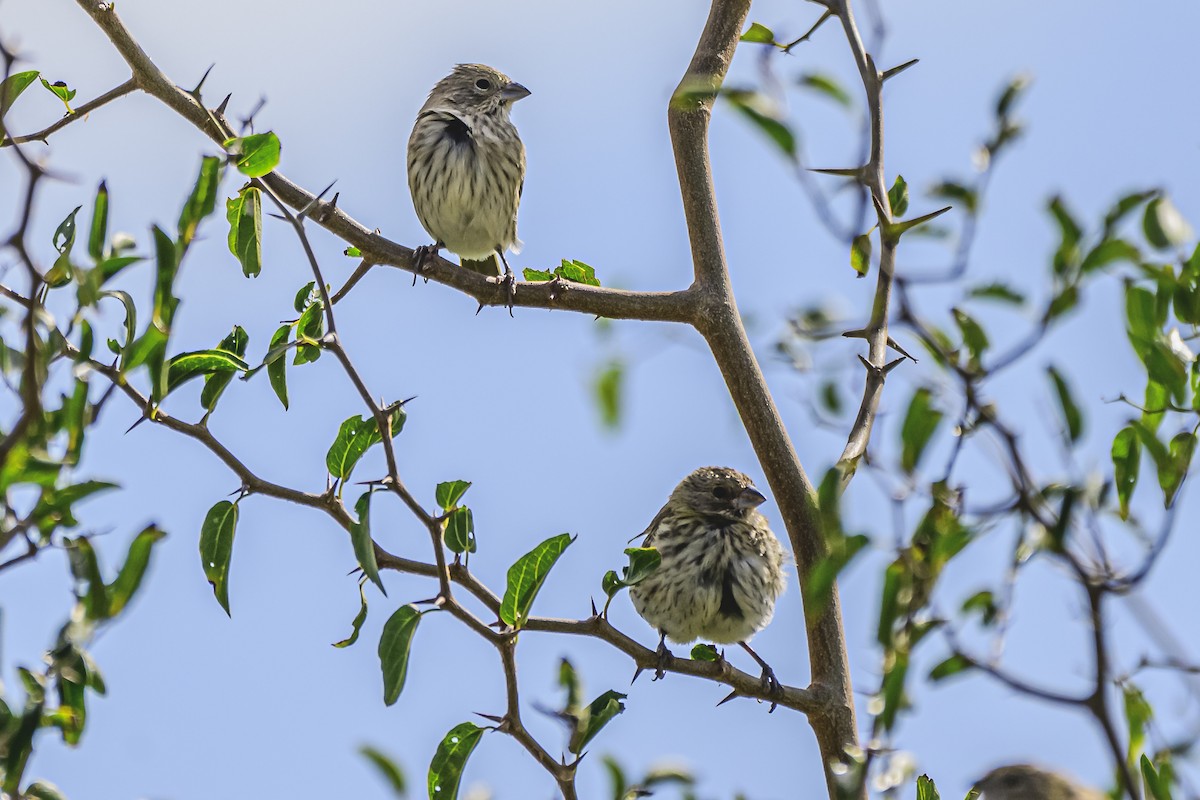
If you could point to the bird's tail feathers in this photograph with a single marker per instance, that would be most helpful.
(488, 267)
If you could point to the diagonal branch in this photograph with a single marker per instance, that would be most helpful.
(721, 325)
(677, 306)
(871, 175)
(80, 112)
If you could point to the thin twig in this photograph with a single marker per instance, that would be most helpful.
(80, 112)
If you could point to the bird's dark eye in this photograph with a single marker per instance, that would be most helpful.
(483, 84)
(722, 492)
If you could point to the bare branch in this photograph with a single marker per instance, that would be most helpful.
(80, 112)
(720, 324)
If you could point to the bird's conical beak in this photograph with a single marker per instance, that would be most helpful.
(749, 498)
(513, 92)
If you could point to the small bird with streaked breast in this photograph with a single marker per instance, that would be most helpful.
(721, 570)
(466, 170)
(1027, 782)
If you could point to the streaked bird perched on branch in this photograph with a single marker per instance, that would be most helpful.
(1026, 782)
(721, 569)
(466, 169)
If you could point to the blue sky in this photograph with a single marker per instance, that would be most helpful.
(204, 706)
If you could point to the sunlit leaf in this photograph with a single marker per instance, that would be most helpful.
(256, 154)
(449, 493)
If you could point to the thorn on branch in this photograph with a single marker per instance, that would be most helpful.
(894, 71)
(220, 110)
(196, 92)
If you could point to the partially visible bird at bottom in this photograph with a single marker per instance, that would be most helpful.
(1026, 782)
(721, 570)
(466, 170)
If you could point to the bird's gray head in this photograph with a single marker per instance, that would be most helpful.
(477, 88)
(719, 491)
(1025, 782)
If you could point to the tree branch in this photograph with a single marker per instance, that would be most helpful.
(80, 112)
(721, 325)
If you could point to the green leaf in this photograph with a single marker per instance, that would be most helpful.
(1126, 457)
(758, 34)
(1140, 313)
(1010, 95)
(577, 272)
(306, 297)
(607, 389)
(449, 493)
(827, 86)
(446, 769)
(920, 423)
(1123, 207)
(537, 275)
(898, 196)
(360, 538)
(244, 214)
(951, 666)
(1109, 251)
(985, 603)
(1159, 785)
(98, 233)
(973, 335)
(642, 562)
(459, 534)
(151, 348)
(394, 646)
(10, 90)
(256, 154)
(201, 202)
(309, 328)
(526, 576)
(998, 291)
(41, 790)
(1138, 714)
(842, 549)
(598, 714)
(359, 618)
(1072, 416)
(86, 570)
(704, 652)
(353, 252)
(1174, 469)
(215, 383)
(1164, 226)
(277, 367)
(926, 790)
(387, 768)
(129, 578)
(758, 108)
(956, 192)
(355, 436)
(860, 254)
(60, 90)
(216, 548)
(186, 366)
